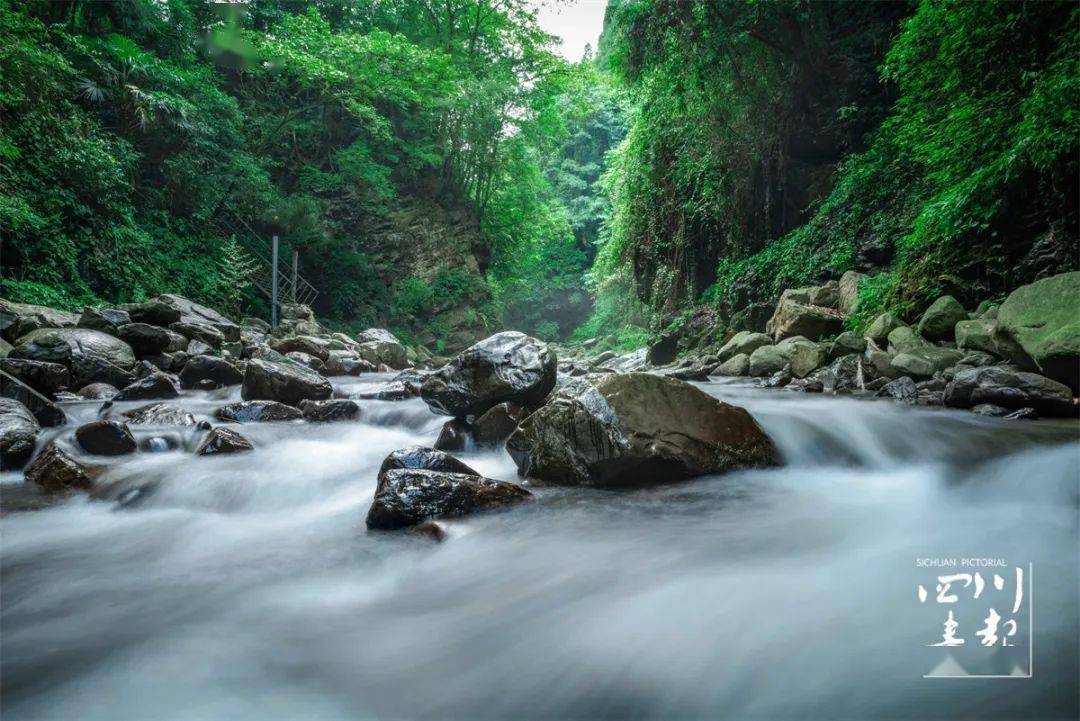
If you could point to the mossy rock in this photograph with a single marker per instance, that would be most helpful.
(940, 319)
(1042, 322)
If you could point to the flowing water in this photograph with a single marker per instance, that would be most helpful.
(247, 587)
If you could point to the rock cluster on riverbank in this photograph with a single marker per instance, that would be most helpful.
(567, 416)
(1021, 357)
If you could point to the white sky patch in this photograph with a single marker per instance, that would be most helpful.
(577, 22)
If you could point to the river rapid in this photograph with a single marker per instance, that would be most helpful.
(247, 586)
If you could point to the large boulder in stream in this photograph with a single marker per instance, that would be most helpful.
(221, 441)
(509, 366)
(1039, 325)
(410, 496)
(636, 428)
(159, 414)
(89, 355)
(421, 458)
(44, 377)
(288, 383)
(1011, 389)
(57, 472)
(106, 438)
(744, 342)
(258, 412)
(44, 410)
(156, 385)
(18, 434)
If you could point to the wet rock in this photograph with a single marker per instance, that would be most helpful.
(206, 385)
(847, 373)
(258, 412)
(146, 339)
(627, 363)
(421, 458)
(54, 471)
(337, 409)
(197, 348)
(98, 392)
(347, 363)
(106, 438)
(876, 385)
(1010, 389)
(309, 345)
(168, 308)
(389, 391)
(44, 377)
(206, 367)
(1024, 414)
(285, 383)
(780, 378)
(159, 414)
(507, 366)
(880, 328)
(1040, 327)
(106, 320)
(428, 529)
(664, 350)
(737, 365)
(256, 324)
(990, 410)
(797, 316)
(411, 378)
(939, 321)
(753, 317)
(44, 410)
(411, 496)
(89, 355)
(902, 389)
(18, 434)
(496, 425)
(157, 385)
(454, 436)
(308, 361)
(221, 441)
(202, 332)
(742, 343)
(633, 429)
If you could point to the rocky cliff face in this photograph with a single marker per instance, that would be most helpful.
(434, 261)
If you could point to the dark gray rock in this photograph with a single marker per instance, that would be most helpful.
(421, 458)
(411, 496)
(46, 378)
(337, 409)
(159, 414)
(902, 389)
(18, 319)
(258, 412)
(54, 471)
(157, 385)
(635, 429)
(167, 309)
(310, 345)
(202, 332)
(496, 425)
(89, 355)
(507, 366)
(1024, 414)
(454, 436)
(18, 434)
(146, 339)
(389, 391)
(106, 438)
(287, 383)
(208, 367)
(664, 350)
(1011, 389)
(221, 441)
(44, 410)
(990, 410)
(106, 320)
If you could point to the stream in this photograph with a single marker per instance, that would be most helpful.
(247, 586)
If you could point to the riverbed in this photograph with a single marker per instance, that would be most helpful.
(247, 586)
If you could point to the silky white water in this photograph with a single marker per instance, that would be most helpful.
(247, 586)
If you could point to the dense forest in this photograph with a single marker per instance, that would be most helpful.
(439, 169)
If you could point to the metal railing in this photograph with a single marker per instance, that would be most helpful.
(292, 287)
